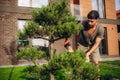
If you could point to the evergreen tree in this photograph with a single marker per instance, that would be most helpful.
(54, 20)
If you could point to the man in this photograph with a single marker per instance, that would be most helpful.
(90, 37)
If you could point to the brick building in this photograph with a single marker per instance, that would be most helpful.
(107, 11)
(13, 12)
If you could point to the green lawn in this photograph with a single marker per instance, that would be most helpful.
(12, 73)
(108, 70)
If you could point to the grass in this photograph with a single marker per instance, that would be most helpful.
(12, 73)
(108, 70)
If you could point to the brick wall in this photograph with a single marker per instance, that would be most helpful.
(112, 39)
(8, 35)
(110, 9)
(8, 30)
(112, 35)
(86, 6)
(9, 2)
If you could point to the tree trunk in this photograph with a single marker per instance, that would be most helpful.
(51, 50)
(51, 76)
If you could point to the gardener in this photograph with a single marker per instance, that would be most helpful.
(90, 37)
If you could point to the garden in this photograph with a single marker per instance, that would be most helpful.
(54, 22)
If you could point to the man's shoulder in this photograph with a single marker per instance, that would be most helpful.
(85, 24)
(100, 28)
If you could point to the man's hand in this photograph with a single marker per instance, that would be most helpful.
(94, 47)
(87, 56)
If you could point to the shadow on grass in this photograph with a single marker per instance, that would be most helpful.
(106, 77)
(11, 72)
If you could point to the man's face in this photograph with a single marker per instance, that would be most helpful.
(92, 22)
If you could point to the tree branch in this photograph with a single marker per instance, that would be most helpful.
(48, 38)
(58, 38)
(42, 38)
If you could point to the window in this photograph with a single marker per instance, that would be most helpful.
(32, 3)
(34, 41)
(117, 2)
(99, 6)
(76, 10)
(103, 45)
(21, 24)
(21, 42)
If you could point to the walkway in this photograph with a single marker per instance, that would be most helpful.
(43, 61)
(109, 58)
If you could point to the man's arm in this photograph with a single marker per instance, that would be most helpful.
(94, 47)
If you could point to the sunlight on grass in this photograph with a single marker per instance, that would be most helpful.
(12, 73)
(110, 69)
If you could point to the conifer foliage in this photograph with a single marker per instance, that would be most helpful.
(55, 19)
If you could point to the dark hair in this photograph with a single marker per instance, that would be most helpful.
(93, 14)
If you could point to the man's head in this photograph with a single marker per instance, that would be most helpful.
(93, 17)
(93, 14)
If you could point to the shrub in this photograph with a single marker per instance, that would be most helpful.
(65, 66)
(30, 53)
